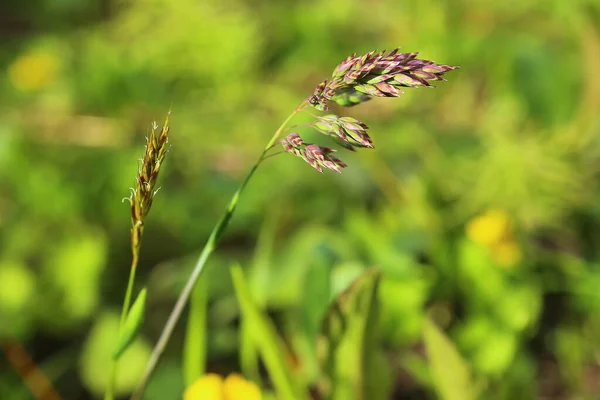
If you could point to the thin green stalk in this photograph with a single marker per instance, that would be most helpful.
(110, 390)
(140, 201)
(273, 155)
(194, 349)
(209, 247)
(129, 290)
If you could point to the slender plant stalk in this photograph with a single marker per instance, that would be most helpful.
(141, 201)
(114, 367)
(194, 351)
(210, 246)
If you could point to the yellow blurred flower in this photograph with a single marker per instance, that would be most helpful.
(33, 71)
(489, 228)
(236, 387)
(213, 387)
(492, 229)
(506, 253)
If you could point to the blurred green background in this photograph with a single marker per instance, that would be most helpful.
(480, 202)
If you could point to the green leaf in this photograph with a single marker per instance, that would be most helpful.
(356, 365)
(133, 322)
(317, 288)
(194, 350)
(249, 362)
(260, 279)
(270, 345)
(314, 306)
(450, 373)
(95, 358)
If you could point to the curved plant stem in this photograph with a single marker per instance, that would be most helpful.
(209, 247)
(273, 155)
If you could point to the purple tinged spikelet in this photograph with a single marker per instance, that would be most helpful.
(292, 143)
(326, 124)
(345, 65)
(321, 156)
(351, 76)
(355, 80)
(409, 81)
(316, 156)
(315, 99)
(295, 140)
(376, 74)
(347, 131)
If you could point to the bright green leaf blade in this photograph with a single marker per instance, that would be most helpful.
(450, 373)
(95, 358)
(133, 322)
(194, 350)
(378, 381)
(248, 354)
(316, 295)
(356, 364)
(259, 280)
(268, 342)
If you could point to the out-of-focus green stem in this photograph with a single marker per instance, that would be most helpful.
(209, 247)
(135, 250)
(194, 348)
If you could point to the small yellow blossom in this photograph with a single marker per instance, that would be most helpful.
(493, 231)
(33, 71)
(506, 253)
(489, 228)
(236, 387)
(213, 387)
(208, 387)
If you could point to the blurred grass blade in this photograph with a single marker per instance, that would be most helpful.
(270, 346)
(450, 373)
(315, 303)
(259, 281)
(194, 350)
(357, 368)
(133, 322)
(248, 353)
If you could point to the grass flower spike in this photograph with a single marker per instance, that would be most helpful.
(140, 200)
(318, 157)
(143, 194)
(346, 131)
(358, 79)
(376, 74)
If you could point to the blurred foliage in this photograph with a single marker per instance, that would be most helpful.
(479, 205)
(450, 374)
(98, 351)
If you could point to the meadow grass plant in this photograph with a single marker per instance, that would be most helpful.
(140, 200)
(357, 79)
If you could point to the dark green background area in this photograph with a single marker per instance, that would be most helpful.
(515, 129)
